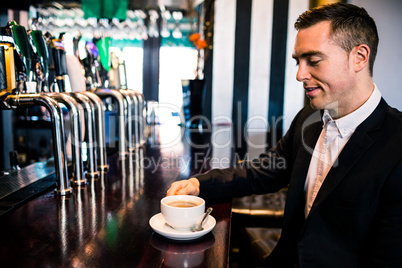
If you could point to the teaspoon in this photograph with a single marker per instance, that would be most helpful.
(198, 227)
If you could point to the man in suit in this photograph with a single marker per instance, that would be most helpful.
(341, 158)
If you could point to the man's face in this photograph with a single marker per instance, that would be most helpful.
(324, 68)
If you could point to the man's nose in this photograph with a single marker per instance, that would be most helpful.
(303, 73)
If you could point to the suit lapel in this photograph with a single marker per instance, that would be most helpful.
(309, 139)
(309, 135)
(351, 153)
(354, 149)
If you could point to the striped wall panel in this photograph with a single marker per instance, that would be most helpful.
(294, 92)
(260, 57)
(223, 61)
(253, 73)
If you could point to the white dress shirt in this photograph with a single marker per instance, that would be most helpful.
(334, 136)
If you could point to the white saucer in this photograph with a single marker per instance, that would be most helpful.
(159, 225)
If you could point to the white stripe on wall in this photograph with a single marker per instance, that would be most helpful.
(222, 144)
(223, 61)
(260, 58)
(294, 92)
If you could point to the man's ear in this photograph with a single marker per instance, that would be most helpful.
(361, 56)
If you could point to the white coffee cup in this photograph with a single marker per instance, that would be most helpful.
(182, 211)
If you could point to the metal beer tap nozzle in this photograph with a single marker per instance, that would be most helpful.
(60, 159)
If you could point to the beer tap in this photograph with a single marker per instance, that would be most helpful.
(60, 68)
(121, 114)
(90, 140)
(59, 59)
(141, 117)
(73, 107)
(131, 99)
(91, 74)
(138, 116)
(131, 103)
(39, 43)
(100, 129)
(98, 104)
(14, 101)
(11, 97)
(76, 146)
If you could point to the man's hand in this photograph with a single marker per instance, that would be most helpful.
(185, 187)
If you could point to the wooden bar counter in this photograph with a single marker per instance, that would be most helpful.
(106, 223)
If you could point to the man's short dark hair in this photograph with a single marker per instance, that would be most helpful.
(351, 26)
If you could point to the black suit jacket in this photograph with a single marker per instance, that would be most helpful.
(356, 219)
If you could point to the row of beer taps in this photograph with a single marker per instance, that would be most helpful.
(25, 57)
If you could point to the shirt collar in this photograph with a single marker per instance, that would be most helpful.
(347, 124)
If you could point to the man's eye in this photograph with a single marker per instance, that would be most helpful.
(314, 62)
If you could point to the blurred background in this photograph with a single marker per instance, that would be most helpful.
(202, 62)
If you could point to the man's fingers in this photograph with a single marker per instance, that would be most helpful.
(185, 187)
(182, 192)
(176, 187)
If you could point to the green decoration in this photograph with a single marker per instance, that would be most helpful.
(105, 9)
(103, 45)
